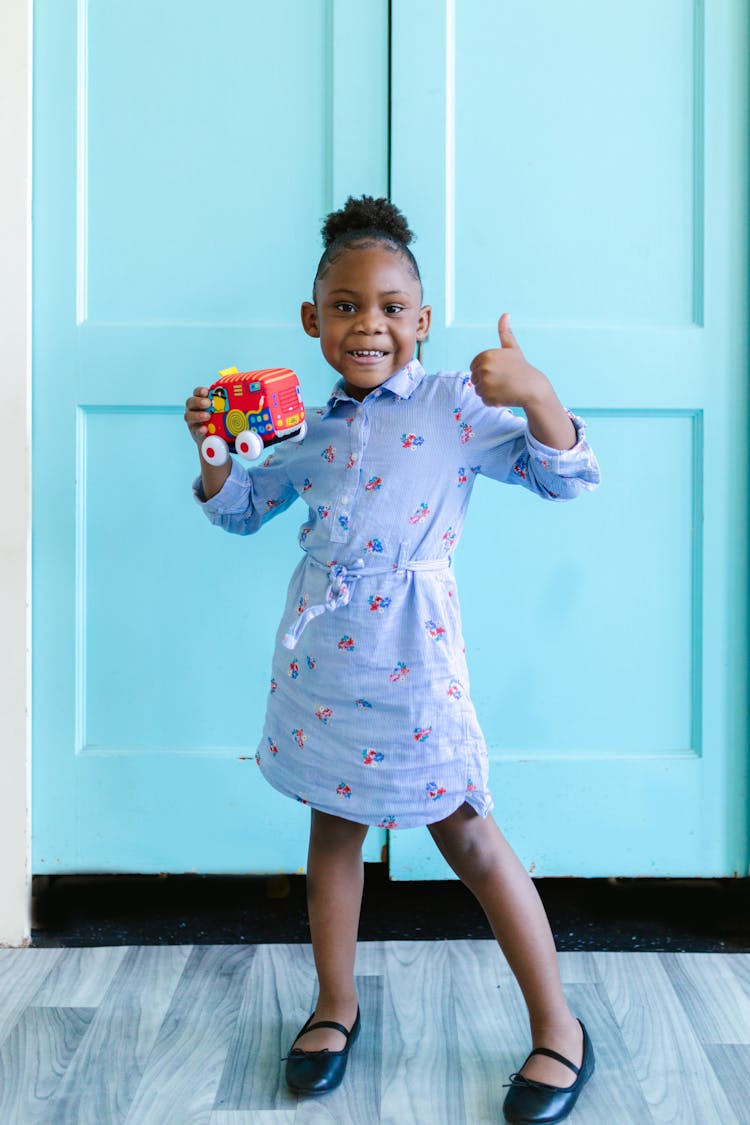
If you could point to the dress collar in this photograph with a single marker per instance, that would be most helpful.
(401, 385)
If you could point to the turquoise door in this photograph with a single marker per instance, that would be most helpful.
(583, 166)
(184, 156)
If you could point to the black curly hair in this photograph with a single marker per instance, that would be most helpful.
(364, 222)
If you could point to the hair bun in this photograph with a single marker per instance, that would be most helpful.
(366, 214)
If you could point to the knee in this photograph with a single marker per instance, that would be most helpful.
(462, 840)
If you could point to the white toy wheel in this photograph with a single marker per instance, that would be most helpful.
(214, 450)
(300, 433)
(248, 445)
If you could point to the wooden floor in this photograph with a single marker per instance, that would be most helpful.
(192, 1035)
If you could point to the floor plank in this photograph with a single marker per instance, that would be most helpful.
(34, 1058)
(718, 1010)
(81, 978)
(421, 1083)
(22, 974)
(731, 1065)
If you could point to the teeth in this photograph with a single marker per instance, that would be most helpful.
(371, 351)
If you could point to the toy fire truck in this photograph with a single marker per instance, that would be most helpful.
(250, 410)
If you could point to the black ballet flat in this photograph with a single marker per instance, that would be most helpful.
(537, 1103)
(316, 1072)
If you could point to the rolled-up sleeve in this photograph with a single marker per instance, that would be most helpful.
(504, 449)
(249, 497)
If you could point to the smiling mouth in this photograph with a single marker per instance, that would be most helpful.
(367, 353)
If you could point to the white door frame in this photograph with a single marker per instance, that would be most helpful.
(15, 526)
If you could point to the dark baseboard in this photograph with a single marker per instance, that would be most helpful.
(676, 915)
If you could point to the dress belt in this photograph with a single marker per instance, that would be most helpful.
(342, 580)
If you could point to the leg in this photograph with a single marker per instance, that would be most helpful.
(335, 874)
(484, 861)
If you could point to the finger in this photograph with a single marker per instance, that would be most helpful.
(197, 403)
(200, 392)
(507, 339)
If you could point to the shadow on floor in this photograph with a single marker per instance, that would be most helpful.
(678, 915)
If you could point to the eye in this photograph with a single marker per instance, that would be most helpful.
(344, 306)
(392, 309)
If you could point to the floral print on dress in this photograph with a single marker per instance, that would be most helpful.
(325, 714)
(449, 539)
(344, 522)
(411, 441)
(378, 603)
(329, 454)
(520, 470)
(373, 484)
(421, 734)
(435, 791)
(293, 669)
(302, 603)
(371, 756)
(274, 685)
(400, 672)
(311, 663)
(454, 690)
(462, 478)
(324, 511)
(272, 747)
(421, 513)
(363, 704)
(306, 484)
(388, 822)
(436, 631)
(470, 786)
(346, 644)
(351, 460)
(299, 737)
(374, 547)
(343, 790)
(465, 432)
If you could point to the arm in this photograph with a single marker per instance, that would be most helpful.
(548, 453)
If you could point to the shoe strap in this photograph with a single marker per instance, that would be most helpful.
(554, 1055)
(326, 1023)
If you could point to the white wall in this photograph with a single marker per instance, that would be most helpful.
(15, 387)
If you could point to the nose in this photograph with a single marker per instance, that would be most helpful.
(370, 321)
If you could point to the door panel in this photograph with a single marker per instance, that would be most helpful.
(584, 167)
(184, 159)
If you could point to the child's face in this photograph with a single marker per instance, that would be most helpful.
(368, 316)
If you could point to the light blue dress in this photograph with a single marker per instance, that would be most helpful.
(369, 712)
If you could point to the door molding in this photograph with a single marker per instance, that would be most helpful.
(15, 533)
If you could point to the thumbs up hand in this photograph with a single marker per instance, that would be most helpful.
(504, 377)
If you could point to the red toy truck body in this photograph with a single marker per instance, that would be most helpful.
(250, 410)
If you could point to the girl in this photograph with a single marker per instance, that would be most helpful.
(369, 718)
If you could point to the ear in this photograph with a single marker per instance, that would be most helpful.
(423, 324)
(309, 315)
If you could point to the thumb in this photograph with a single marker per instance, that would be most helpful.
(507, 339)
